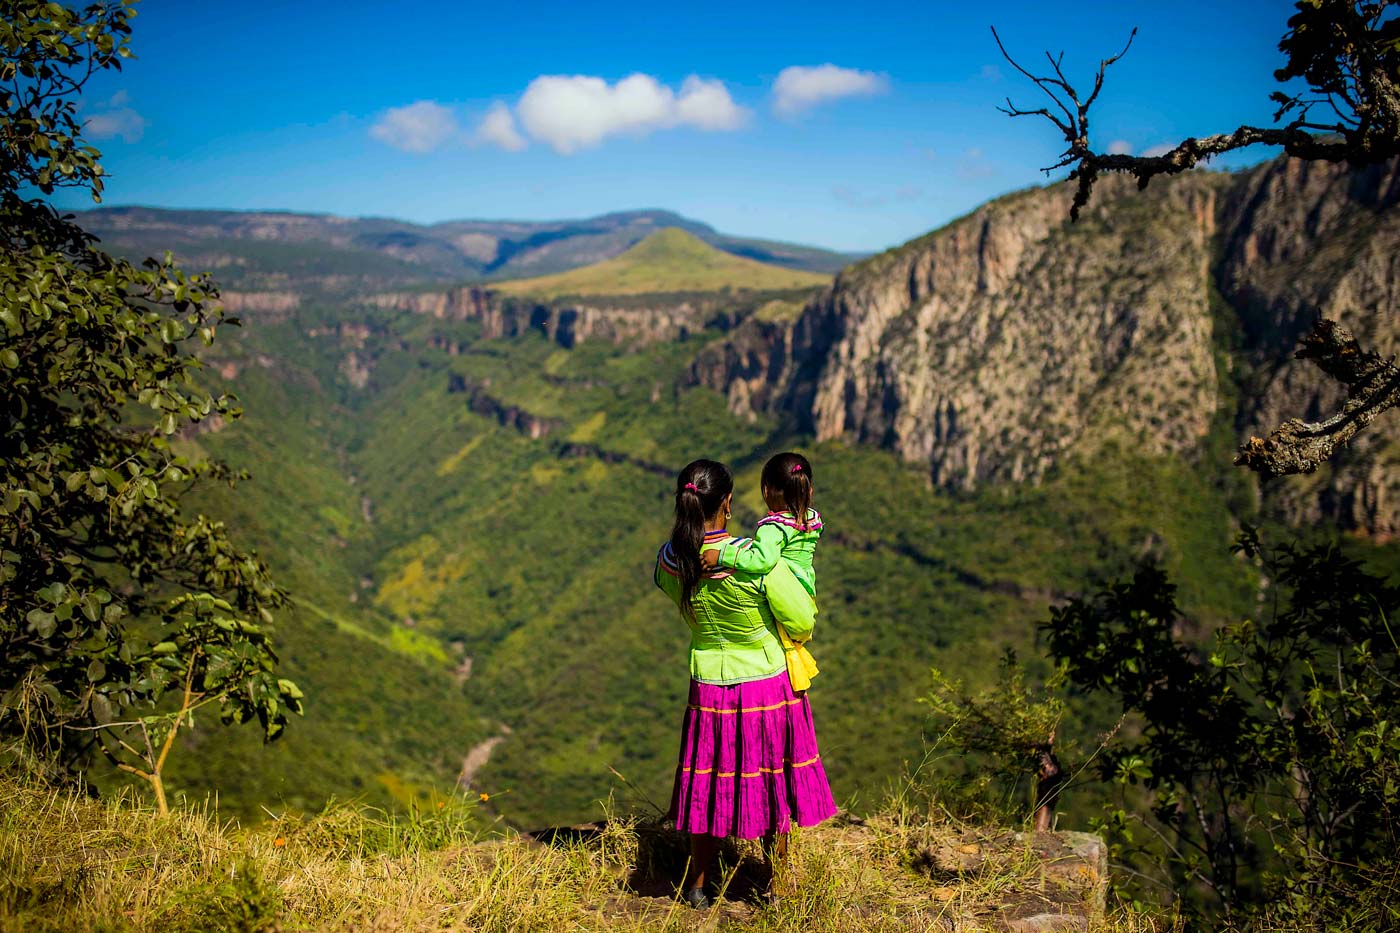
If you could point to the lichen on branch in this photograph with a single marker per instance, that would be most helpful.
(1373, 386)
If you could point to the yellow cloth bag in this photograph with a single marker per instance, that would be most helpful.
(801, 666)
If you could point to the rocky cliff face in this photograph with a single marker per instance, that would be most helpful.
(613, 320)
(1300, 240)
(996, 346)
(990, 348)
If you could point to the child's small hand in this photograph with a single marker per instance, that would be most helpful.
(709, 559)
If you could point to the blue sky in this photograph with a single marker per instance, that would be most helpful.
(358, 108)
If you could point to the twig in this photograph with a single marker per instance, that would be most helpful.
(1366, 136)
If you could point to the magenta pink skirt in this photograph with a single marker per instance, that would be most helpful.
(749, 762)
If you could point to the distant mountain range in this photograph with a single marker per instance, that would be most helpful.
(344, 251)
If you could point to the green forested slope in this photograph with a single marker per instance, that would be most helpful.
(385, 719)
(533, 556)
(468, 527)
(669, 260)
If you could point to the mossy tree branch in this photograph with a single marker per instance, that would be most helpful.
(1373, 386)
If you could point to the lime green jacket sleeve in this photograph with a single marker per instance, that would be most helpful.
(793, 608)
(758, 554)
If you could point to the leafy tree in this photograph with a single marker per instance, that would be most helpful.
(1269, 759)
(1012, 727)
(111, 597)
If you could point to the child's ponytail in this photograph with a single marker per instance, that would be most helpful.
(790, 474)
(700, 493)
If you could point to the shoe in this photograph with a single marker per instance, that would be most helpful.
(696, 898)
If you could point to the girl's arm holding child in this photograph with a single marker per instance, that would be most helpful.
(758, 554)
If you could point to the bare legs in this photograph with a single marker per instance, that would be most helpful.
(775, 854)
(703, 850)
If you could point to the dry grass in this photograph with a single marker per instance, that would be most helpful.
(72, 863)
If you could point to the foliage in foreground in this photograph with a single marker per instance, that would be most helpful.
(1270, 756)
(111, 597)
(1257, 768)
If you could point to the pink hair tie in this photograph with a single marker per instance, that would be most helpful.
(796, 468)
(692, 486)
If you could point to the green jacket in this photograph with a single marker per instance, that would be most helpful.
(778, 536)
(734, 637)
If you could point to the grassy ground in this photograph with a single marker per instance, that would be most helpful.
(71, 863)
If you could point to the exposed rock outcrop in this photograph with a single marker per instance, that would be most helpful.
(356, 369)
(277, 304)
(481, 402)
(622, 321)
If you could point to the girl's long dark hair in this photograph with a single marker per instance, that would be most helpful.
(790, 475)
(700, 491)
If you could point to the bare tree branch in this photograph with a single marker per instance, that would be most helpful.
(1352, 71)
(1373, 386)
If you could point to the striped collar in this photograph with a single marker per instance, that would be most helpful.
(814, 520)
(667, 561)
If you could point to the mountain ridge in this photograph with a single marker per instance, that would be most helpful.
(669, 260)
(452, 250)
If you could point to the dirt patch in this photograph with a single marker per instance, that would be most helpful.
(476, 759)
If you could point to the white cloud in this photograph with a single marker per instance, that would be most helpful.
(990, 73)
(708, 106)
(573, 112)
(419, 127)
(123, 122)
(1120, 147)
(801, 87)
(1152, 152)
(497, 128)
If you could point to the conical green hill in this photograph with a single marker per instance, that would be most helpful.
(669, 260)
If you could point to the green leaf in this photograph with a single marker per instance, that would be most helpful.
(41, 622)
(9, 358)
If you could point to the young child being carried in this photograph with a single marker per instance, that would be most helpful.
(790, 530)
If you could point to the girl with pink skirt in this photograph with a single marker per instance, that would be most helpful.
(749, 763)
